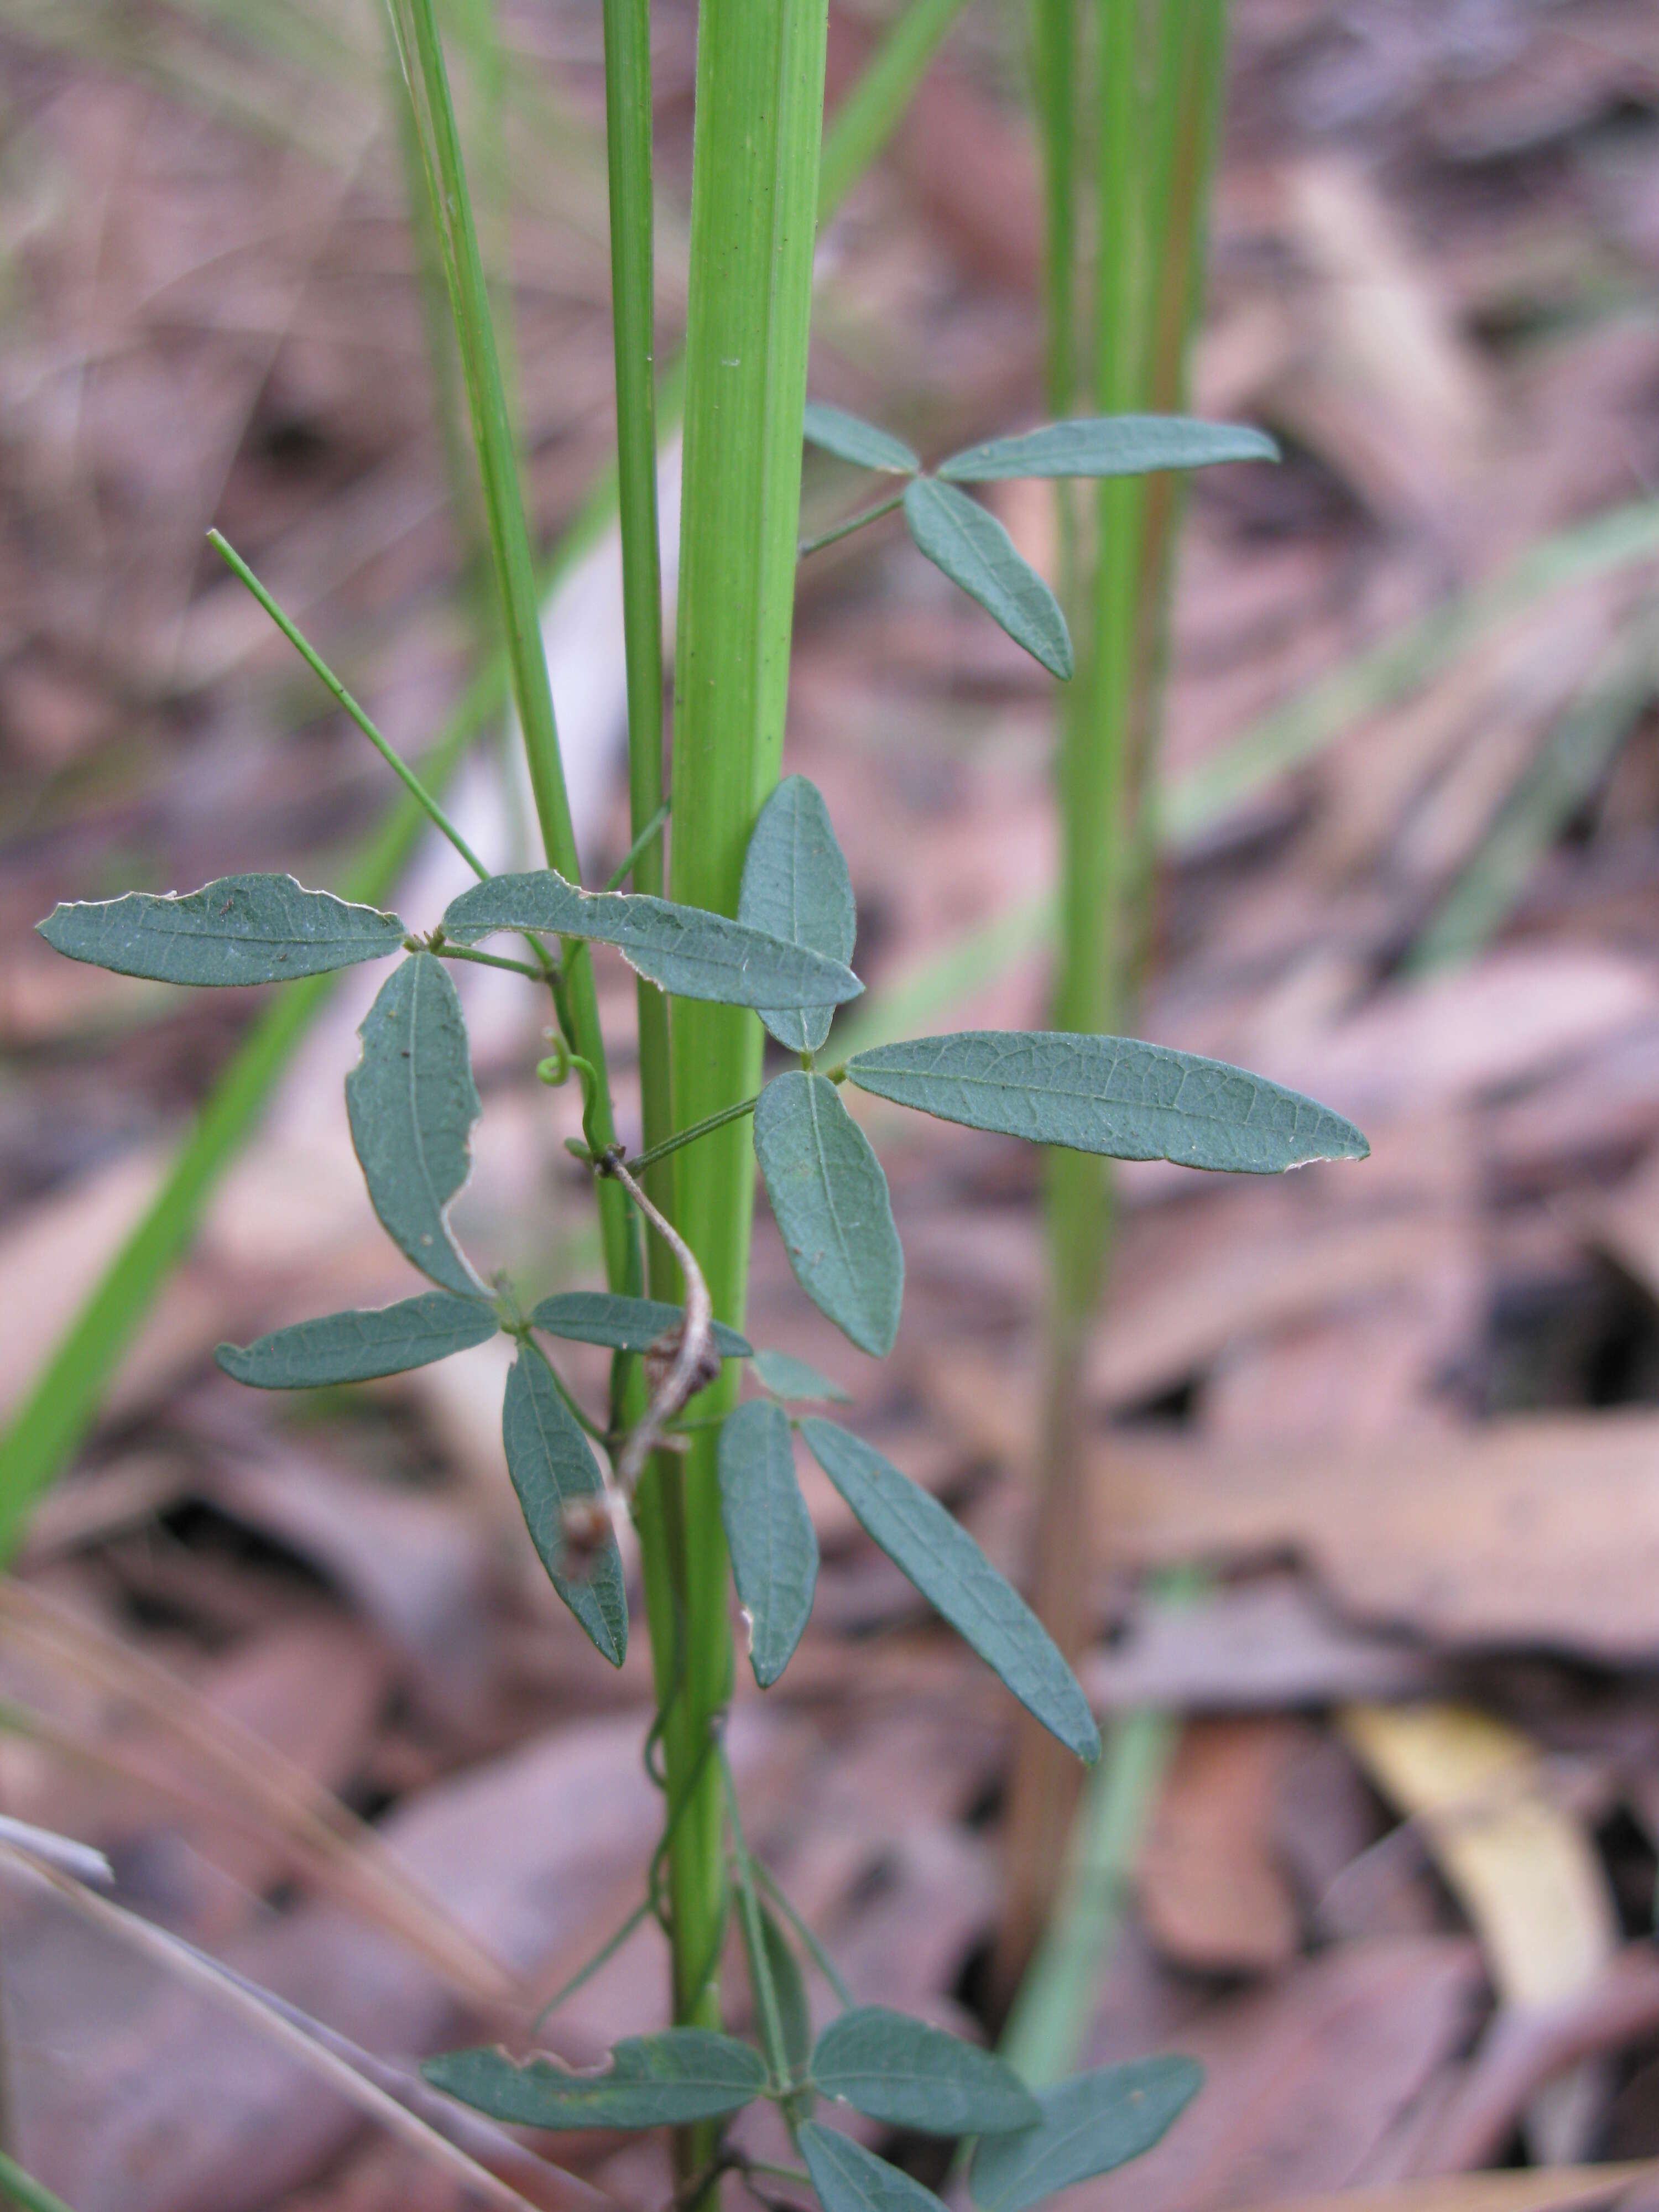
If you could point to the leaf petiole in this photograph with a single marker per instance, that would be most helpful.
(760, 1971)
(445, 951)
(690, 1136)
(606, 1952)
(319, 668)
(814, 1949)
(853, 522)
(625, 866)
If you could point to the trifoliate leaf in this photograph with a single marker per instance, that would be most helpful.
(785, 1376)
(850, 439)
(1090, 2125)
(892, 2068)
(667, 2080)
(829, 1197)
(625, 1324)
(1110, 445)
(1113, 1095)
(795, 886)
(552, 1464)
(849, 2179)
(412, 1104)
(241, 929)
(768, 1532)
(951, 1572)
(975, 550)
(354, 1347)
(681, 948)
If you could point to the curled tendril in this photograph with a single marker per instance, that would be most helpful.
(557, 1067)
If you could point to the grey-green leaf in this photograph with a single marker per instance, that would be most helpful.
(1110, 445)
(849, 2179)
(1115, 1095)
(241, 929)
(974, 550)
(412, 1104)
(354, 1347)
(625, 1324)
(789, 1987)
(795, 886)
(1090, 2125)
(830, 1199)
(951, 1572)
(785, 1376)
(768, 1532)
(667, 2080)
(849, 438)
(682, 949)
(892, 2068)
(551, 1462)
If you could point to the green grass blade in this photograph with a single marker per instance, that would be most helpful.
(1559, 782)
(1623, 538)
(867, 117)
(23, 2188)
(754, 203)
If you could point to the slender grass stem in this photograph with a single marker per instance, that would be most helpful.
(683, 1137)
(846, 529)
(1156, 101)
(629, 153)
(631, 859)
(422, 53)
(1057, 1997)
(330, 683)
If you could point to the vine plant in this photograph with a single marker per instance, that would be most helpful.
(756, 939)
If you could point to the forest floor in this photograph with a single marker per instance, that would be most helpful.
(293, 1665)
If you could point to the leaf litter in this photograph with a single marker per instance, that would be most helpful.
(287, 1663)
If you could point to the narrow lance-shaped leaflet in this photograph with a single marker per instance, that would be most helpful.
(552, 1466)
(948, 1567)
(240, 929)
(768, 1532)
(412, 1104)
(356, 1348)
(666, 2079)
(970, 546)
(829, 1197)
(796, 887)
(684, 950)
(1110, 1095)
(1109, 446)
